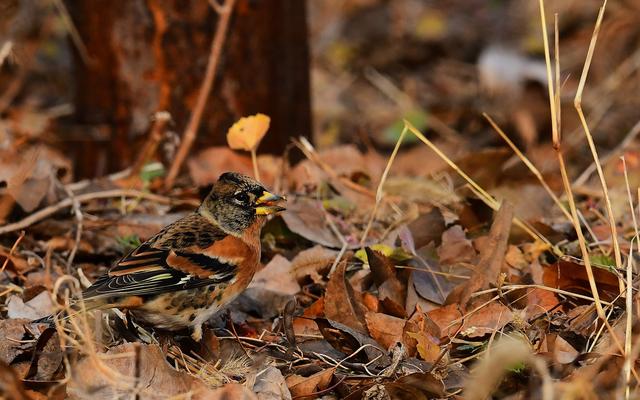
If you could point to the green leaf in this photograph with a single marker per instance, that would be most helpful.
(603, 261)
(417, 117)
(151, 171)
(128, 242)
(396, 254)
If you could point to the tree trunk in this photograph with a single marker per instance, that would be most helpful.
(150, 55)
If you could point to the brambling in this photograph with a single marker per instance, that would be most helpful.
(181, 276)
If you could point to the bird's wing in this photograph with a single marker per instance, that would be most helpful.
(181, 256)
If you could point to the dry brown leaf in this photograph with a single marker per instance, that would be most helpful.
(155, 377)
(247, 132)
(491, 259)
(48, 359)
(573, 277)
(540, 301)
(301, 386)
(420, 325)
(340, 304)
(427, 228)
(428, 349)
(562, 351)
(209, 164)
(277, 276)
(271, 385)
(316, 309)
(38, 307)
(444, 318)
(515, 258)
(531, 202)
(29, 175)
(371, 302)
(344, 160)
(306, 218)
(312, 262)
(305, 327)
(385, 329)
(391, 291)
(455, 247)
(11, 332)
(488, 319)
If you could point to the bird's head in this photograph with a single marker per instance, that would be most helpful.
(237, 201)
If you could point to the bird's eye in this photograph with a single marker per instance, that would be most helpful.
(241, 197)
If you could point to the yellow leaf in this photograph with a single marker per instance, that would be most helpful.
(247, 133)
(428, 350)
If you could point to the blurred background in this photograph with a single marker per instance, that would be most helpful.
(81, 81)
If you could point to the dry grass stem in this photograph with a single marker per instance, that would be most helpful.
(529, 165)
(483, 194)
(542, 287)
(578, 106)
(383, 179)
(629, 292)
(563, 170)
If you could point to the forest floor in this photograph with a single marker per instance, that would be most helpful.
(432, 258)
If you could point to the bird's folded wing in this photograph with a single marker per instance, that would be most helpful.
(149, 270)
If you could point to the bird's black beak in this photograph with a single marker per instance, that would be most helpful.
(268, 204)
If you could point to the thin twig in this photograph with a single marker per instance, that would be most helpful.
(13, 249)
(54, 208)
(189, 136)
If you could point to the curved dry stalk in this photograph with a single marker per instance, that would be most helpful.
(82, 198)
(577, 102)
(563, 170)
(535, 171)
(483, 194)
(225, 11)
(383, 179)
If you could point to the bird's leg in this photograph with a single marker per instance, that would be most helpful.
(197, 332)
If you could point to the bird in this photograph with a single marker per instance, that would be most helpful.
(181, 276)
